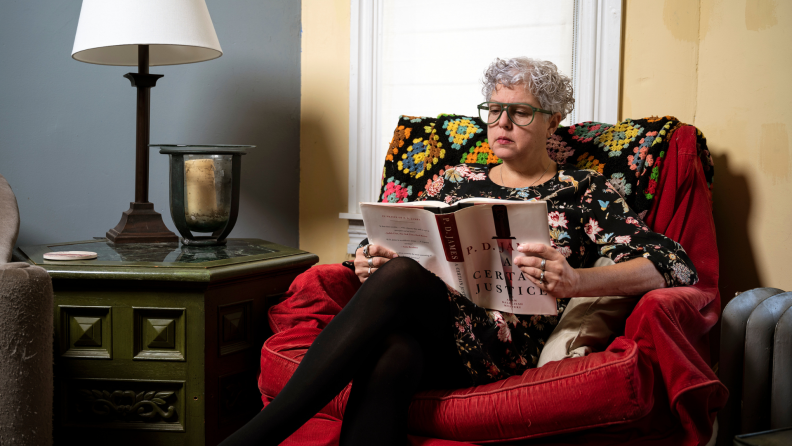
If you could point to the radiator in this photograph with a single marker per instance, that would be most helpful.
(756, 363)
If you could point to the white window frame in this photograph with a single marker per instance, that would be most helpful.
(596, 63)
(596, 75)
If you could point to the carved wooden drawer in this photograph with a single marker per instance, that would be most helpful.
(162, 350)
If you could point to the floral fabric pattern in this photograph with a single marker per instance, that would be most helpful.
(596, 204)
(587, 218)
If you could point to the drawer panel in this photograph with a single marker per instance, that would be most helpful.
(85, 332)
(159, 334)
(123, 404)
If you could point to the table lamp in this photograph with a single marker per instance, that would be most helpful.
(144, 33)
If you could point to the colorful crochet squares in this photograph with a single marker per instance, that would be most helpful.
(629, 154)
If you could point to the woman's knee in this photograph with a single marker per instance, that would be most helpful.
(400, 287)
(401, 268)
(404, 278)
(400, 275)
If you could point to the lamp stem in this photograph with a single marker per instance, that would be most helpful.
(141, 223)
(143, 59)
(142, 133)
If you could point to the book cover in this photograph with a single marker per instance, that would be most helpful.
(472, 246)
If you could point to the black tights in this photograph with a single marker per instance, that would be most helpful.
(392, 338)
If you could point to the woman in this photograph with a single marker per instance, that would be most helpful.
(406, 330)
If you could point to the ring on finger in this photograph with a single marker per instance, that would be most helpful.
(542, 266)
(371, 262)
(541, 277)
(369, 273)
(366, 251)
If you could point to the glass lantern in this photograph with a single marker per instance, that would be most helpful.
(204, 190)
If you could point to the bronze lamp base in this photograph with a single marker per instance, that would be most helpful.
(141, 224)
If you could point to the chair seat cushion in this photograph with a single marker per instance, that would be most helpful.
(601, 389)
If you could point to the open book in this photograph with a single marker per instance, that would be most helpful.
(471, 245)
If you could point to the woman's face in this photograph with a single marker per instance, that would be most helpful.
(511, 142)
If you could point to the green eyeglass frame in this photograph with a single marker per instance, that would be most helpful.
(484, 107)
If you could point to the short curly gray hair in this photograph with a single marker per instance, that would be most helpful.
(551, 88)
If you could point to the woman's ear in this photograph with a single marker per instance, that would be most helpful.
(553, 123)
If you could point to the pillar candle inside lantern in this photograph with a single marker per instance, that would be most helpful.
(199, 185)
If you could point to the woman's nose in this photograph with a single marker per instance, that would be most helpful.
(504, 120)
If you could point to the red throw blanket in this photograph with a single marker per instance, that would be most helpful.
(651, 386)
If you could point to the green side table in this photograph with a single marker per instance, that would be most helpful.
(159, 344)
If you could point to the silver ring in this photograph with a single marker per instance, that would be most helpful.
(541, 277)
(366, 252)
(542, 266)
(369, 271)
(371, 262)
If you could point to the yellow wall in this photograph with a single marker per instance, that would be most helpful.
(724, 66)
(324, 128)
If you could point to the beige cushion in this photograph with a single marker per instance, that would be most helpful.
(9, 221)
(588, 324)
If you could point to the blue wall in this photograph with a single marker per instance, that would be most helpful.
(67, 128)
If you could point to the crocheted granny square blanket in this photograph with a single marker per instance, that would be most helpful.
(629, 154)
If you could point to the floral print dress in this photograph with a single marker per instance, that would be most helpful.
(587, 218)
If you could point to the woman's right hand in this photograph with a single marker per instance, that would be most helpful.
(379, 256)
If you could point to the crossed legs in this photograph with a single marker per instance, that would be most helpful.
(392, 338)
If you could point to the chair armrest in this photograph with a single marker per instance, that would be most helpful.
(668, 324)
(681, 306)
(314, 298)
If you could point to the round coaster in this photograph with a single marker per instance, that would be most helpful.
(70, 255)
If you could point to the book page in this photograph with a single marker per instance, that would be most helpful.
(410, 204)
(410, 232)
(492, 279)
(485, 200)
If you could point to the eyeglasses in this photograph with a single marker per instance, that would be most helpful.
(519, 113)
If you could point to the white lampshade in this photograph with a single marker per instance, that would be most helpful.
(178, 32)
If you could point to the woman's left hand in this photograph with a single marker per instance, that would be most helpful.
(560, 279)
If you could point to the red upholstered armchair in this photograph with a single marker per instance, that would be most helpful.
(653, 385)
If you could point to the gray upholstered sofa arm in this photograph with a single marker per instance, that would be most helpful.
(26, 315)
(9, 221)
